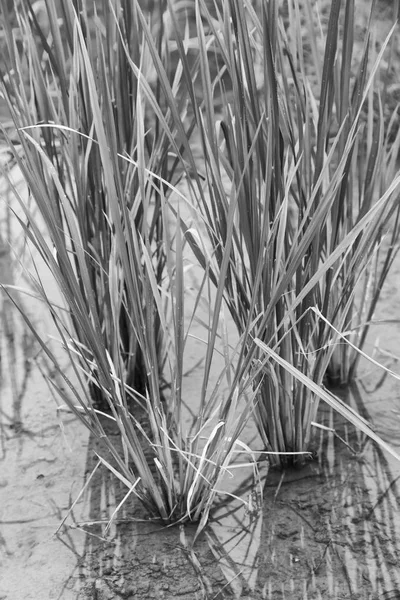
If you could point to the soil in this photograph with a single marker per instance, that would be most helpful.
(328, 531)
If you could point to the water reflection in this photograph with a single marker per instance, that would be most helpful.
(235, 529)
(373, 516)
(16, 341)
(16, 350)
(333, 530)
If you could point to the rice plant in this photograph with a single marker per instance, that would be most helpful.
(298, 193)
(82, 202)
(99, 152)
(372, 168)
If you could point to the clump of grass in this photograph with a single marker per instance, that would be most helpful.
(77, 79)
(287, 229)
(261, 213)
(99, 153)
(350, 98)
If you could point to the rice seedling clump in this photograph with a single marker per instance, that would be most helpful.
(188, 166)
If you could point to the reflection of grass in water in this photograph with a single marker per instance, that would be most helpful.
(7, 333)
(15, 369)
(341, 535)
(374, 526)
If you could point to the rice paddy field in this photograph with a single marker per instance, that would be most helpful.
(200, 285)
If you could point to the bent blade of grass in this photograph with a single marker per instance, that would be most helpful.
(82, 491)
(75, 233)
(327, 397)
(344, 337)
(347, 242)
(90, 422)
(116, 510)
